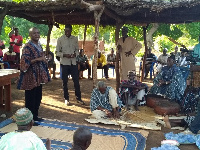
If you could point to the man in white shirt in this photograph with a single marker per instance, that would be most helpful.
(162, 60)
(23, 138)
(67, 50)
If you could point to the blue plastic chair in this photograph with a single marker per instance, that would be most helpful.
(8, 65)
(151, 69)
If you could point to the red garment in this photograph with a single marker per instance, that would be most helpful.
(32, 74)
(1, 52)
(16, 39)
(12, 59)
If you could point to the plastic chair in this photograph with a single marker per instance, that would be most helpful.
(151, 69)
(8, 65)
(113, 67)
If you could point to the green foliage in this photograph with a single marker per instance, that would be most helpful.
(169, 30)
(135, 31)
(23, 25)
(162, 42)
(193, 29)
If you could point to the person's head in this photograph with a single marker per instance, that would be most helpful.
(165, 51)
(131, 75)
(34, 34)
(176, 49)
(112, 51)
(16, 30)
(183, 54)
(82, 138)
(10, 49)
(68, 30)
(101, 87)
(99, 54)
(124, 31)
(24, 118)
(81, 52)
(149, 50)
(171, 61)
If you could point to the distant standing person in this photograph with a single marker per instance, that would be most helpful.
(67, 49)
(34, 73)
(127, 47)
(111, 59)
(16, 41)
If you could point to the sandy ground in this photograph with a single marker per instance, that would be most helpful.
(53, 107)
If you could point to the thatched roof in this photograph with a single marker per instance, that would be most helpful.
(127, 11)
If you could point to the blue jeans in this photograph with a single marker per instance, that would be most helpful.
(195, 125)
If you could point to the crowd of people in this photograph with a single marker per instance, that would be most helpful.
(105, 102)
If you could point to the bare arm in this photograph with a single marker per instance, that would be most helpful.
(48, 144)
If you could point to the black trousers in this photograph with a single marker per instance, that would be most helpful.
(84, 67)
(73, 70)
(33, 99)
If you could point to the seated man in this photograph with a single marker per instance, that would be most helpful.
(111, 59)
(23, 138)
(104, 101)
(162, 60)
(81, 139)
(51, 64)
(102, 63)
(11, 58)
(83, 64)
(182, 60)
(169, 82)
(149, 60)
(132, 91)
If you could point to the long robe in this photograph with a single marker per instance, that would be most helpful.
(128, 63)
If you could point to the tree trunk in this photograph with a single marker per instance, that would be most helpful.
(48, 38)
(150, 34)
(84, 38)
(3, 13)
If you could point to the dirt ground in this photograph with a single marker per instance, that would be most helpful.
(53, 107)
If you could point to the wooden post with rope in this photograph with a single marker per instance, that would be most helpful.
(145, 53)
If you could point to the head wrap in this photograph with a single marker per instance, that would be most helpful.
(23, 116)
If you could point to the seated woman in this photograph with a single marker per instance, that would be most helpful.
(104, 101)
(132, 91)
(169, 82)
(83, 64)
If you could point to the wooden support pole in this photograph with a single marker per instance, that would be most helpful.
(145, 53)
(118, 26)
(84, 38)
(97, 16)
(48, 38)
